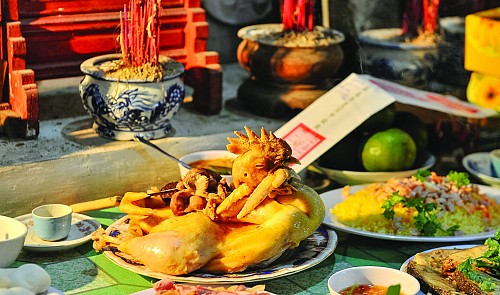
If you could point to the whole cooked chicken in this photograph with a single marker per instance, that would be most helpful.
(207, 223)
(177, 245)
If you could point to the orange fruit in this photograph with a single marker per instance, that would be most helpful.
(389, 150)
(484, 90)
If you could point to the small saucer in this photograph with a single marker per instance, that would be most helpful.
(479, 165)
(82, 227)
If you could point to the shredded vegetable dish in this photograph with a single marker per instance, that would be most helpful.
(423, 205)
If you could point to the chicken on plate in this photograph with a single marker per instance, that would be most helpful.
(203, 222)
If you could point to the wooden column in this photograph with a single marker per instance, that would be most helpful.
(20, 116)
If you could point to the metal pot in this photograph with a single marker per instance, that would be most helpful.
(270, 63)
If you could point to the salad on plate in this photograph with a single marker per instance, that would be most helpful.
(426, 205)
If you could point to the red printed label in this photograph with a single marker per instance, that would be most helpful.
(303, 140)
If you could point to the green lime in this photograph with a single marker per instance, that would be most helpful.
(389, 150)
(414, 126)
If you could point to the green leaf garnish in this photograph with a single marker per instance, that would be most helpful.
(388, 205)
(490, 260)
(421, 175)
(351, 290)
(426, 219)
(459, 178)
(393, 290)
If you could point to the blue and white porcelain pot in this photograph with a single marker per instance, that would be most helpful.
(123, 109)
(385, 54)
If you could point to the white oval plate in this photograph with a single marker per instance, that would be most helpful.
(345, 177)
(479, 165)
(310, 252)
(331, 198)
(82, 227)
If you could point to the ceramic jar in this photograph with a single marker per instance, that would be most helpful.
(385, 54)
(123, 109)
(451, 68)
(269, 63)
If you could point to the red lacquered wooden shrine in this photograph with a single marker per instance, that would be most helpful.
(46, 39)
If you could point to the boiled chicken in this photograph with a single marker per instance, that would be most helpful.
(178, 245)
(222, 228)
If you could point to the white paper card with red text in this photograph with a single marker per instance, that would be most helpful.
(339, 111)
(331, 117)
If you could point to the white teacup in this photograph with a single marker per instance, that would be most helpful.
(52, 222)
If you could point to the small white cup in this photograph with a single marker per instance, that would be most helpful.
(52, 222)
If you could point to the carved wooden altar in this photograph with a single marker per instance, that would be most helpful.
(45, 39)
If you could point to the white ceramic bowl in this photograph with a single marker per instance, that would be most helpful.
(345, 177)
(205, 155)
(374, 275)
(12, 235)
(480, 166)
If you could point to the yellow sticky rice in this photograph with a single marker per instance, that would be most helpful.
(363, 210)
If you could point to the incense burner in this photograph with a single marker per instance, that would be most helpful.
(271, 62)
(385, 54)
(451, 68)
(122, 109)
(286, 77)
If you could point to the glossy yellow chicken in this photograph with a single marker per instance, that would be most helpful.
(264, 211)
(277, 210)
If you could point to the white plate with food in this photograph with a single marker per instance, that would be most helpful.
(82, 227)
(334, 197)
(167, 285)
(152, 291)
(479, 165)
(459, 247)
(310, 252)
(437, 269)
